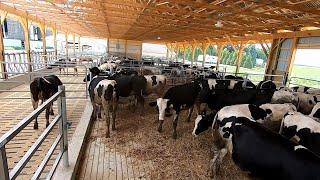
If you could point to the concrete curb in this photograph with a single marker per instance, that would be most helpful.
(76, 147)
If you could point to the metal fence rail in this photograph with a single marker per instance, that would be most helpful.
(61, 118)
(299, 81)
(53, 70)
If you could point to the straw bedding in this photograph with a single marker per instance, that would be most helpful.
(186, 157)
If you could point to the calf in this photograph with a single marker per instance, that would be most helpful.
(303, 129)
(177, 98)
(315, 113)
(42, 88)
(103, 92)
(265, 154)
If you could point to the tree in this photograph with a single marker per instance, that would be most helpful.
(211, 51)
(248, 62)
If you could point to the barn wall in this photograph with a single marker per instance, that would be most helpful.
(126, 48)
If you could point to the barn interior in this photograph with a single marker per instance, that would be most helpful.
(279, 27)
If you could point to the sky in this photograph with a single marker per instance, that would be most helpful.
(308, 57)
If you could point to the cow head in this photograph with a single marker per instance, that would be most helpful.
(163, 106)
(94, 72)
(202, 123)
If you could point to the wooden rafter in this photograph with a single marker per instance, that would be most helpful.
(174, 21)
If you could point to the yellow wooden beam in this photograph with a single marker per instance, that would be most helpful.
(293, 50)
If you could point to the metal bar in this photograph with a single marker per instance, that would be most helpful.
(47, 158)
(4, 171)
(25, 121)
(14, 97)
(25, 159)
(54, 167)
(63, 126)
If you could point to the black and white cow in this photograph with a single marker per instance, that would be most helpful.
(265, 154)
(306, 102)
(42, 88)
(284, 96)
(303, 129)
(177, 98)
(315, 113)
(264, 113)
(204, 122)
(104, 93)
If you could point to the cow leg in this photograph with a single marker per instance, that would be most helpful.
(114, 112)
(175, 124)
(94, 112)
(47, 116)
(106, 107)
(141, 102)
(189, 113)
(217, 160)
(99, 111)
(160, 125)
(35, 103)
(51, 109)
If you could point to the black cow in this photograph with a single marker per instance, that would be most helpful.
(177, 98)
(42, 88)
(303, 129)
(216, 93)
(233, 77)
(95, 71)
(265, 154)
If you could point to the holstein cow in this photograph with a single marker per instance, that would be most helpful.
(306, 102)
(203, 122)
(177, 98)
(104, 93)
(263, 114)
(303, 129)
(265, 154)
(315, 113)
(305, 89)
(42, 88)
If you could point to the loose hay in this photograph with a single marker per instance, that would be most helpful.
(162, 157)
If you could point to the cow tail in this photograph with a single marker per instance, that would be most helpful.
(281, 126)
(214, 121)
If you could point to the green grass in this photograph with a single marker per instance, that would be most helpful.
(306, 72)
(298, 71)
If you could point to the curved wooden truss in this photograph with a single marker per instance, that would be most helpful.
(170, 21)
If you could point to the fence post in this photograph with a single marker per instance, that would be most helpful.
(4, 171)
(63, 126)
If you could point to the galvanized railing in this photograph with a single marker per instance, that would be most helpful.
(37, 58)
(257, 77)
(299, 81)
(54, 71)
(62, 138)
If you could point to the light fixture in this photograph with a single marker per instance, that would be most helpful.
(158, 38)
(218, 24)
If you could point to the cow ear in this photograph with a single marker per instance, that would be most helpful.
(152, 104)
(268, 111)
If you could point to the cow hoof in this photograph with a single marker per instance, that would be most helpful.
(160, 129)
(52, 113)
(107, 135)
(47, 124)
(35, 126)
(113, 128)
